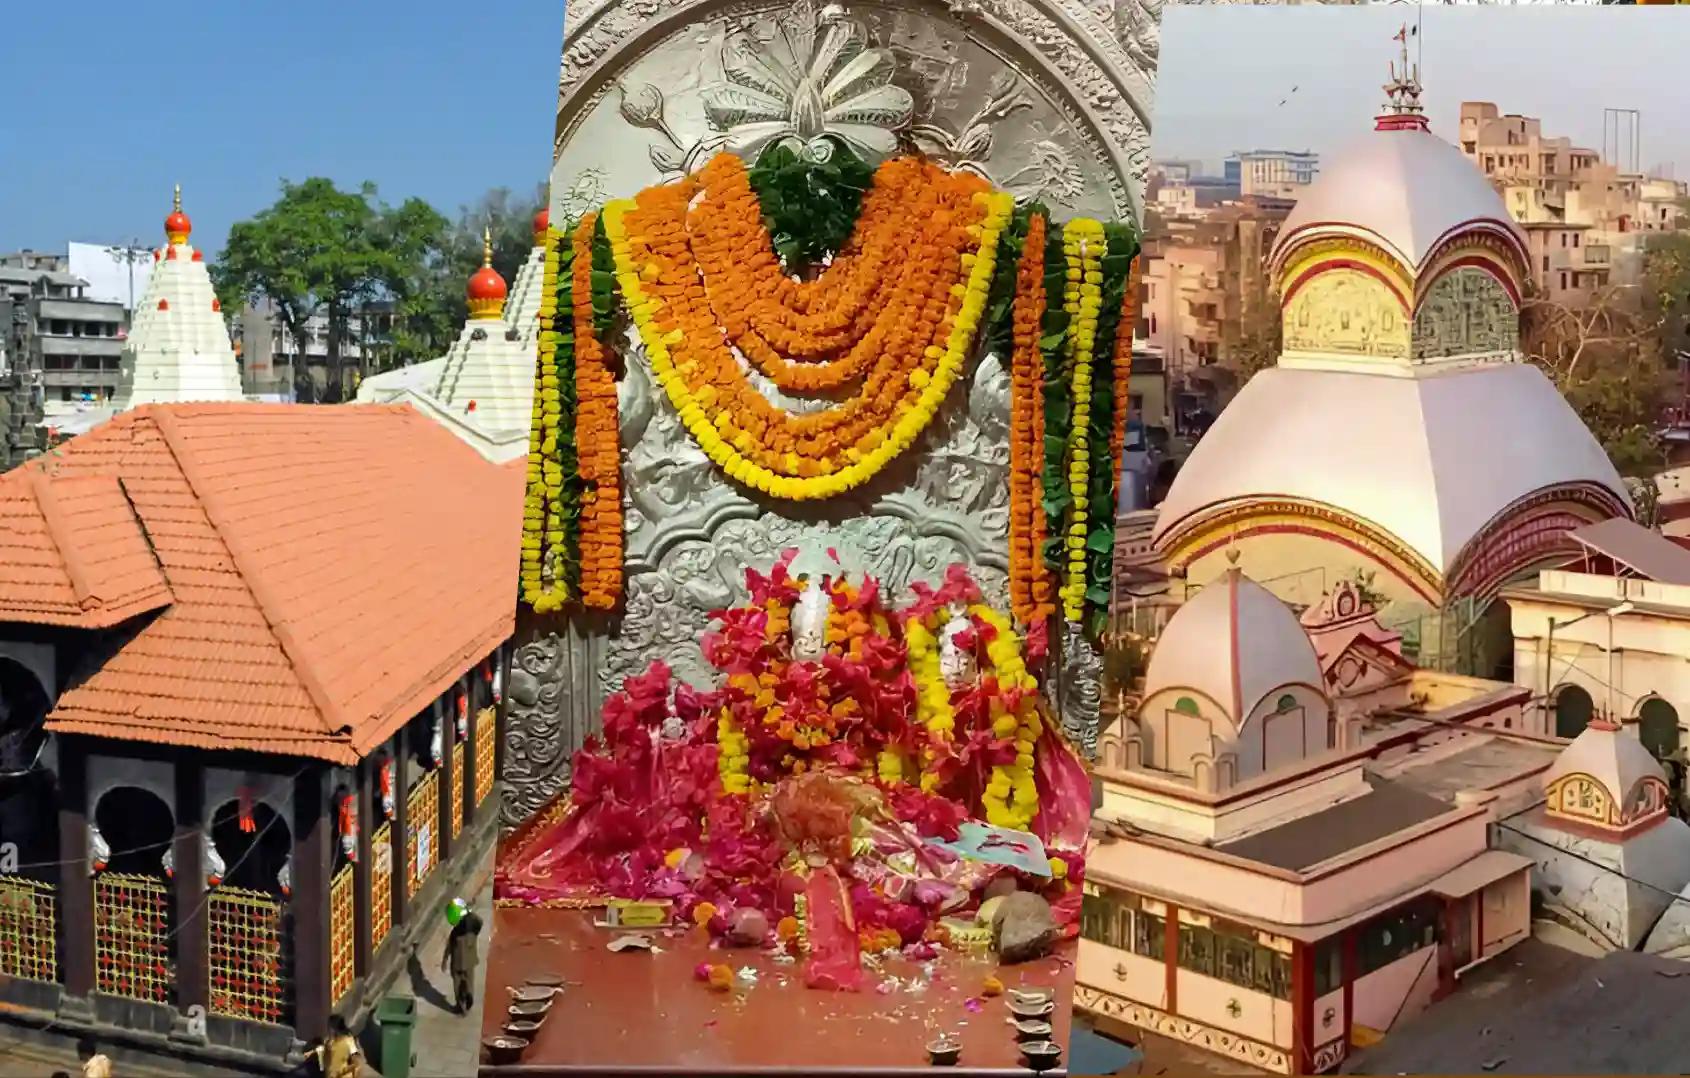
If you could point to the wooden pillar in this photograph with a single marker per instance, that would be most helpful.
(1170, 957)
(472, 752)
(369, 818)
(401, 786)
(1352, 973)
(188, 886)
(1302, 1007)
(312, 832)
(76, 885)
(507, 654)
(446, 710)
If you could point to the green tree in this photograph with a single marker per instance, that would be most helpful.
(321, 250)
(1605, 355)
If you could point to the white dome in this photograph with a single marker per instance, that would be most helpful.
(1405, 190)
(1235, 643)
(1429, 460)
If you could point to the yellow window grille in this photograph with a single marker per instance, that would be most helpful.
(422, 831)
(484, 726)
(132, 937)
(28, 921)
(381, 884)
(247, 979)
(458, 781)
(342, 932)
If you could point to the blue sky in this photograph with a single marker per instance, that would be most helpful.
(111, 102)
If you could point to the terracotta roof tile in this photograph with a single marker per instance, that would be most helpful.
(72, 552)
(333, 569)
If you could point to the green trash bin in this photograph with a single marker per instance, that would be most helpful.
(397, 1017)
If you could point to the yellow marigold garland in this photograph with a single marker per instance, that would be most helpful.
(733, 756)
(1012, 796)
(932, 696)
(1082, 245)
(540, 519)
(906, 426)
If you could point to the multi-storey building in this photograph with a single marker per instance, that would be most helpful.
(1272, 173)
(1587, 220)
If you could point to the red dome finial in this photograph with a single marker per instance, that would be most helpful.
(542, 225)
(177, 227)
(487, 289)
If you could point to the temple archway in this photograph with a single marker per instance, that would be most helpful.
(1573, 709)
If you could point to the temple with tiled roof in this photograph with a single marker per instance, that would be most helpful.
(483, 388)
(249, 708)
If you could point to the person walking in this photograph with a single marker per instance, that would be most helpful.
(461, 957)
(338, 1056)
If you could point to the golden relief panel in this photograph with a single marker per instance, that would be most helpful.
(1582, 798)
(1346, 312)
(1465, 312)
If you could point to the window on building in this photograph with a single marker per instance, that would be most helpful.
(1329, 965)
(1107, 918)
(1397, 935)
(1197, 949)
(1150, 936)
(1563, 279)
(1286, 703)
(1575, 239)
(1185, 705)
(1546, 263)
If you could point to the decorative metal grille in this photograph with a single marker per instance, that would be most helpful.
(28, 921)
(422, 831)
(342, 931)
(247, 979)
(485, 722)
(132, 937)
(381, 884)
(459, 780)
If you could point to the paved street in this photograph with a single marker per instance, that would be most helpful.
(446, 1044)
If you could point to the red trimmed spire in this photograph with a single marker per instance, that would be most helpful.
(177, 227)
(1403, 111)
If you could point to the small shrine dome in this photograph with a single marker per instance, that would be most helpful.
(1231, 663)
(1608, 780)
(542, 225)
(487, 290)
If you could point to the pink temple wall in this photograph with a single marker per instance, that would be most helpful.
(1328, 1029)
(1208, 1000)
(1396, 991)
(1122, 973)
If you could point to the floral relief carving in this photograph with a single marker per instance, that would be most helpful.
(1255, 1053)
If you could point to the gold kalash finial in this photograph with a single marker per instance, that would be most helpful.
(487, 246)
(177, 207)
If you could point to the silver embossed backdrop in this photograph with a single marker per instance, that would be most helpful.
(1046, 100)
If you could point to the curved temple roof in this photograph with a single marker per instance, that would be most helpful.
(1406, 190)
(1429, 460)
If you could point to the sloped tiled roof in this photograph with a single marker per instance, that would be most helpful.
(332, 570)
(72, 553)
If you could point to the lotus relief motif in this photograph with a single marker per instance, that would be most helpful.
(816, 78)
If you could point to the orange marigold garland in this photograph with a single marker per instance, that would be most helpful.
(597, 437)
(1026, 436)
(1124, 364)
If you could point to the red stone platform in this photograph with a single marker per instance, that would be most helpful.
(640, 1013)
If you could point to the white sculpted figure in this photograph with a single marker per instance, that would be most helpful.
(956, 663)
(437, 743)
(284, 878)
(214, 866)
(809, 622)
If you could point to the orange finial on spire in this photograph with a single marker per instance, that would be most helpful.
(487, 289)
(177, 227)
(542, 225)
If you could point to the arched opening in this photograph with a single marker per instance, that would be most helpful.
(253, 851)
(1573, 708)
(23, 711)
(1657, 727)
(134, 904)
(137, 827)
